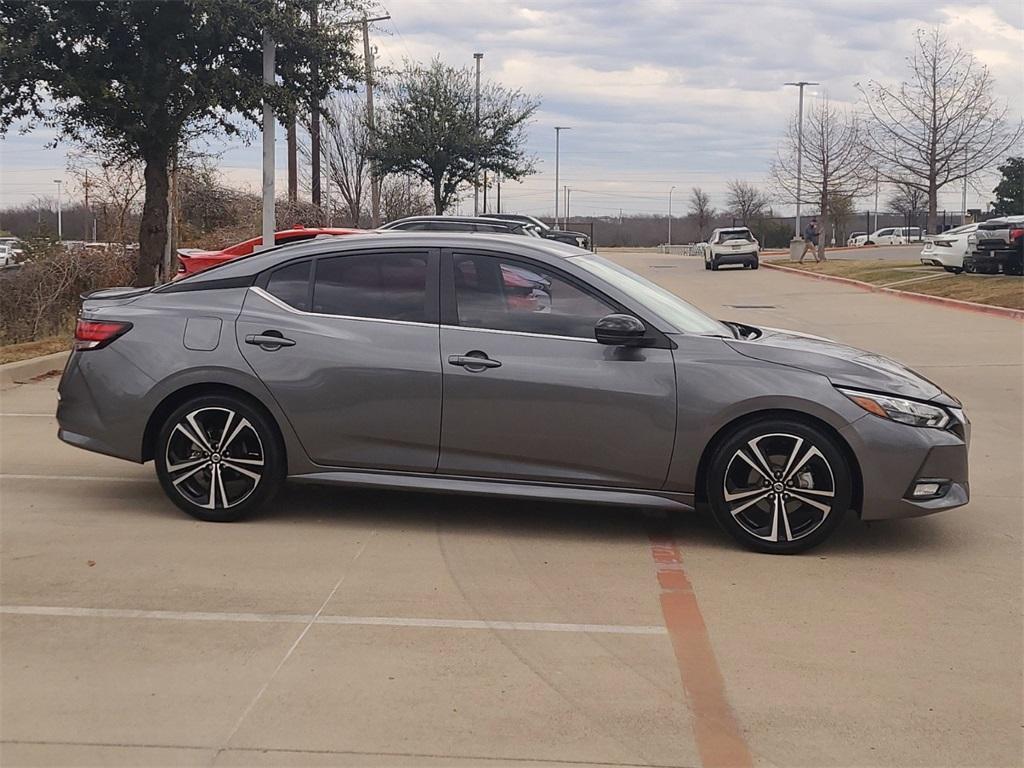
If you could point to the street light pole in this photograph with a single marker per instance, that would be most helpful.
(670, 190)
(476, 150)
(800, 150)
(558, 130)
(60, 225)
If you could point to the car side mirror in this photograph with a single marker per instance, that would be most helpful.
(620, 330)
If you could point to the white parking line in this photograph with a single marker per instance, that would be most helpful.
(359, 621)
(30, 415)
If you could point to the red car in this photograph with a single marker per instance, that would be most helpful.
(192, 260)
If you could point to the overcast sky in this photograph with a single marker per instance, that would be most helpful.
(658, 93)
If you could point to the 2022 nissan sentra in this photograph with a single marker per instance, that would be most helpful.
(504, 365)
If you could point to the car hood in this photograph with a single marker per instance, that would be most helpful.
(842, 365)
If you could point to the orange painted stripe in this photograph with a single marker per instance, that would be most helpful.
(719, 740)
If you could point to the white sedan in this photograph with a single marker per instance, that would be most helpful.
(948, 249)
(730, 245)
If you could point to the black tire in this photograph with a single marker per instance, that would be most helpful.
(190, 458)
(714, 264)
(755, 263)
(750, 516)
(954, 270)
(707, 266)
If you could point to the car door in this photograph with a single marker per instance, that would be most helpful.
(529, 393)
(348, 345)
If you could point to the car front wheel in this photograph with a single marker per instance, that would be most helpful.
(779, 486)
(219, 458)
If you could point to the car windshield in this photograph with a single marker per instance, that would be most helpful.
(685, 317)
(735, 234)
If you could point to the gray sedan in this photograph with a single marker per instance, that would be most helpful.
(501, 365)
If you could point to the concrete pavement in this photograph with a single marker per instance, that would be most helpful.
(371, 628)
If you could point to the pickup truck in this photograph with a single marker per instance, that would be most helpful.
(997, 245)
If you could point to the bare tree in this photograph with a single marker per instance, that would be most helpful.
(835, 161)
(943, 125)
(402, 196)
(701, 210)
(114, 190)
(908, 200)
(345, 142)
(746, 202)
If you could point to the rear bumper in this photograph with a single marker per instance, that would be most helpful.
(734, 257)
(894, 457)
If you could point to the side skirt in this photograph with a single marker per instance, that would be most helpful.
(516, 489)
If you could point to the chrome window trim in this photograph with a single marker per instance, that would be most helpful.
(289, 308)
(518, 333)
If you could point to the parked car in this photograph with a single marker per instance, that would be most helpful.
(192, 260)
(579, 239)
(6, 255)
(997, 245)
(396, 360)
(461, 224)
(730, 245)
(857, 239)
(948, 249)
(895, 236)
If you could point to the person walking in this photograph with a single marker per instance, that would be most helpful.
(811, 241)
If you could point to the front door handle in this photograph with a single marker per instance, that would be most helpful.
(269, 340)
(473, 361)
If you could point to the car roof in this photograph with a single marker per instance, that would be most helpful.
(460, 219)
(510, 244)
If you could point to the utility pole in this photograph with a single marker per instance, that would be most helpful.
(670, 190)
(85, 187)
(566, 219)
(60, 224)
(963, 218)
(800, 150)
(876, 203)
(498, 183)
(314, 119)
(476, 152)
(558, 130)
(293, 162)
(370, 119)
(268, 145)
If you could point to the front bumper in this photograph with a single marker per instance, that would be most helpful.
(894, 457)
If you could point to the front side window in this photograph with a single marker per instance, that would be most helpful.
(290, 284)
(506, 295)
(385, 286)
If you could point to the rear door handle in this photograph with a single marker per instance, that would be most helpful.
(472, 361)
(269, 341)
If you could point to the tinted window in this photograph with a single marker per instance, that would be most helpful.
(385, 286)
(291, 285)
(507, 295)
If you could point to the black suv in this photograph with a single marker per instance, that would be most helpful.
(997, 244)
(579, 239)
(460, 224)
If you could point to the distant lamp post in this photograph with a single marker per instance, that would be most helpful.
(60, 223)
(670, 191)
(476, 153)
(558, 130)
(800, 149)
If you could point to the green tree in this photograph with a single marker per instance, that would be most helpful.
(1009, 191)
(138, 80)
(427, 128)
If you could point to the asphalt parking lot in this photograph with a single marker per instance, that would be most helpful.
(373, 628)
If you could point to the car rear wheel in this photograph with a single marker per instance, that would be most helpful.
(954, 270)
(219, 458)
(714, 264)
(779, 486)
(755, 264)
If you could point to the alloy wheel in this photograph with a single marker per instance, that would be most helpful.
(779, 487)
(214, 458)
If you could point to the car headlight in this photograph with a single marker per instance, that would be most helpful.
(900, 409)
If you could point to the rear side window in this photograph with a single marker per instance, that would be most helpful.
(291, 285)
(385, 286)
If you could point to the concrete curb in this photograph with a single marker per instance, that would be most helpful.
(23, 371)
(972, 306)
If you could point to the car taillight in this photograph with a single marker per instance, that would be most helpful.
(95, 334)
(1016, 233)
